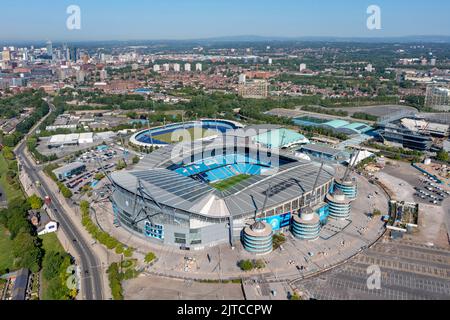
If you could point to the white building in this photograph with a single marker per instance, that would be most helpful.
(302, 67)
(369, 68)
(49, 227)
(187, 67)
(176, 67)
(270, 61)
(199, 67)
(87, 137)
(156, 68)
(242, 78)
(166, 67)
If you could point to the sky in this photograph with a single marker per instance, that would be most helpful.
(24, 20)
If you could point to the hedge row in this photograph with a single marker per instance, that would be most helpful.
(103, 237)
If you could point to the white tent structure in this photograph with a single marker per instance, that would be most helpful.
(363, 155)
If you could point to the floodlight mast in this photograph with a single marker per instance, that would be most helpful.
(143, 192)
(351, 165)
(265, 202)
(314, 193)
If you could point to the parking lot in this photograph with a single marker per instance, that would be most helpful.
(426, 189)
(430, 191)
(409, 271)
(106, 156)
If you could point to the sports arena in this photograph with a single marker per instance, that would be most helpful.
(197, 195)
(163, 136)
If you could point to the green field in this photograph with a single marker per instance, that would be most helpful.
(170, 137)
(6, 256)
(228, 183)
(50, 242)
(9, 190)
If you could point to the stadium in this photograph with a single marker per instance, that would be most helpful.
(227, 189)
(163, 136)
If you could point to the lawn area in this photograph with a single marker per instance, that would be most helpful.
(169, 137)
(228, 183)
(9, 190)
(6, 257)
(50, 242)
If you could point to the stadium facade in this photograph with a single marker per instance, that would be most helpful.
(172, 197)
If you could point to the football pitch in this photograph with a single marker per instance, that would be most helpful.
(184, 135)
(228, 183)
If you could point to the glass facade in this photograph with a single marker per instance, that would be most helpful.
(154, 230)
(258, 244)
(349, 189)
(305, 231)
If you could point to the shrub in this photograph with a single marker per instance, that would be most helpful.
(149, 257)
(245, 265)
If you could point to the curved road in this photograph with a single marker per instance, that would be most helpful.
(90, 270)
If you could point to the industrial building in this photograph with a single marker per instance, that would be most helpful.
(70, 170)
(411, 131)
(339, 126)
(323, 152)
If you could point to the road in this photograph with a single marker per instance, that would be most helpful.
(91, 278)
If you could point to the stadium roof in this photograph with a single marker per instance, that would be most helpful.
(174, 190)
(280, 138)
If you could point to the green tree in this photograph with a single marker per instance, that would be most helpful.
(35, 202)
(442, 155)
(149, 257)
(136, 159)
(27, 252)
(245, 265)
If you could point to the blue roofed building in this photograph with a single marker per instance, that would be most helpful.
(347, 127)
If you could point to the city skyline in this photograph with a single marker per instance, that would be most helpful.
(187, 20)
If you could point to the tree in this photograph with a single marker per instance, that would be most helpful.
(136, 159)
(99, 176)
(245, 265)
(442, 155)
(51, 264)
(149, 257)
(128, 252)
(35, 202)
(27, 252)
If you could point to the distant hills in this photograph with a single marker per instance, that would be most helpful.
(251, 38)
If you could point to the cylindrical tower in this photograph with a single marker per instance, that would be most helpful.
(306, 226)
(339, 204)
(258, 238)
(348, 186)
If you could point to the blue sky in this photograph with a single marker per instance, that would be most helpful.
(190, 19)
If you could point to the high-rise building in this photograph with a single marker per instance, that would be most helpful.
(49, 47)
(433, 62)
(302, 67)
(6, 55)
(369, 68)
(438, 97)
(166, 67)
(103, 74)
(199, 67)
(187, 67)
(242, 78)
(156, 68)
(270, 61)
(176, 67)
